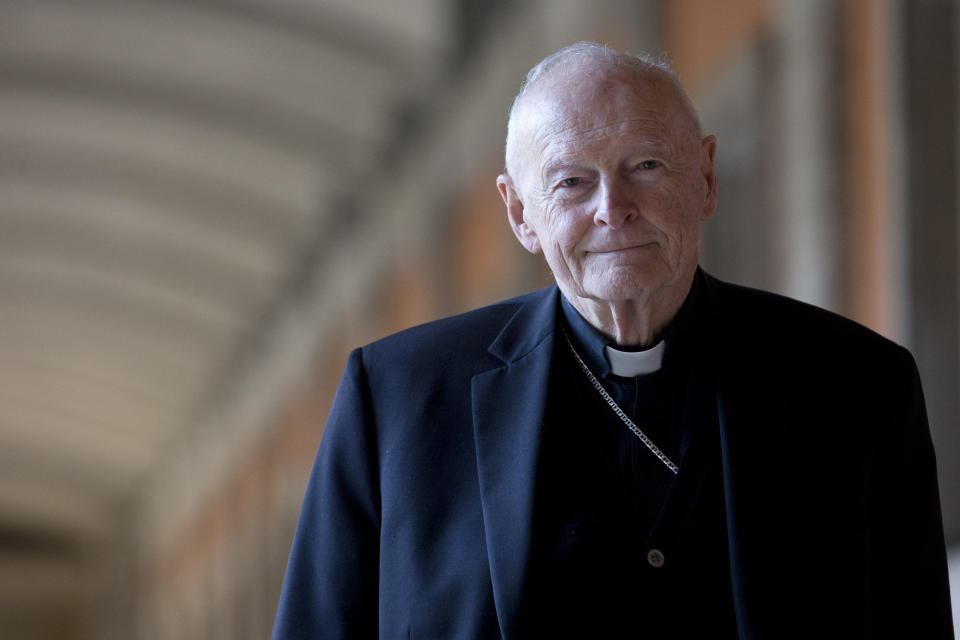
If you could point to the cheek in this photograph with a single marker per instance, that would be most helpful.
(567, 226)
(677, 212)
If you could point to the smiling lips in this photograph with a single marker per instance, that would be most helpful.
(619, 249)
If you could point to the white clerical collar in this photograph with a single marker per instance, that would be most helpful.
(628, 364)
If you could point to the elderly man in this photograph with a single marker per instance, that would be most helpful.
(640, 450)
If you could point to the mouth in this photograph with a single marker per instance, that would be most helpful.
(611, 250)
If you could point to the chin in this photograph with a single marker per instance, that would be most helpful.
(619, 291)
(622, 284)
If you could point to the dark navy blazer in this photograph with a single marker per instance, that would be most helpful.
(417, 519)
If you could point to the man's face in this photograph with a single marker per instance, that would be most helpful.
(612, 182)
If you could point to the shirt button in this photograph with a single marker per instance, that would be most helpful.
(655, 558)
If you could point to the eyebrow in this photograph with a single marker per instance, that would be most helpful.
(557, 166)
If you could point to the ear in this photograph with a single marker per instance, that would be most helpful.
(515, 214)
(708, 150)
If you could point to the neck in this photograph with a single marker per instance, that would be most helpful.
(635, 322)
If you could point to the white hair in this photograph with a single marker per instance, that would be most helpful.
(585, 51)
(582, 52)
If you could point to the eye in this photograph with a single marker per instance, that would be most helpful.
(649, 164)
(570, 182)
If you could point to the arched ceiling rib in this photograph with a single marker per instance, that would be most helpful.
(211, 151)
(183, 197)
(110, 409)
(42, 501)
(187, 59)
(82, 329)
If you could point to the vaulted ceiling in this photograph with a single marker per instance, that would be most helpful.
(164, 169)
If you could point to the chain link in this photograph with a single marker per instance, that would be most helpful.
(617, 410)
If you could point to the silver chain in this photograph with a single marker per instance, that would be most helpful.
(617, 410)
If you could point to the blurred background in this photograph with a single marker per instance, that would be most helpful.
(205, 204)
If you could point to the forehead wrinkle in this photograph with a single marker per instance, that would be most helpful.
(566, 119)
(648, 130)
(653, 124)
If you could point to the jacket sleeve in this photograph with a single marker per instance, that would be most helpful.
(909, 556)
(331, 584)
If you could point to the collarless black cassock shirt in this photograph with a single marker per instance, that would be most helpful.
(622, 545)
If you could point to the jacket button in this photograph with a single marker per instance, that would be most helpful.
(655, 558)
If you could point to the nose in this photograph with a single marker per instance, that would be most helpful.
(616, 205)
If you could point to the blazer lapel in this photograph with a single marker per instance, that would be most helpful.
(508, 411)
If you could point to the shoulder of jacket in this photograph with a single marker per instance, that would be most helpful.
(775, 318)
(457, 334)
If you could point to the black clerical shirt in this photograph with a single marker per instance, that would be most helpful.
(619, 539)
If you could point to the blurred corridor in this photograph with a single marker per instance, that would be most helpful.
(205, 205)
